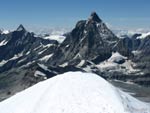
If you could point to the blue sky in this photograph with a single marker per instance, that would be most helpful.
(128, 14)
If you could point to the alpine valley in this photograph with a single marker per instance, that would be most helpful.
(26, 58)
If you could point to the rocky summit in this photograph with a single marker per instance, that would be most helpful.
(89, 40)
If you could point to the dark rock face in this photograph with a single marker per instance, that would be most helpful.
(23, 47)
(138, 50)
(17, 79)
(89, 40)
(142, 58)
(20, 51)
(126, 45)
(94, 17)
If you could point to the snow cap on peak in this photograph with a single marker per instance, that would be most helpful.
(94, 17)
(21, 28)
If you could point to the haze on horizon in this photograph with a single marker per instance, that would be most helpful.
(55, 13)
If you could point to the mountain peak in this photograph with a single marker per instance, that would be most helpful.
(94, 17)
(21, 28)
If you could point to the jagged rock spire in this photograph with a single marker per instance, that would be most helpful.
(94, 17)
(21, 28)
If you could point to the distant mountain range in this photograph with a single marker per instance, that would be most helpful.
(91, 46)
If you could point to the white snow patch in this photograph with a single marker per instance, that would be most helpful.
(45, 58)
(85, 31)
(129, 66)
(42, 51)
(16, 56)
(73, 92)
(4, 42)
(81, 63)
(67, 46)
(43, 66)
(87, 69)
(5, 31)
(82, 39)
(98, 24)
(28, 53)
(136, 52)
(111, 65)
(78, 55)
(48, 45)
(38, 47)
(21, 60)
(144, 35)
(59, 38)
(108, 66)
(64, 64)
(39, 73)
(28, 64)
(116, 56)
(3, 62)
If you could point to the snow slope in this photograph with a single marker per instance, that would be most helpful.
(73, 92)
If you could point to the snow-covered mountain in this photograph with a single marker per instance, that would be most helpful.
(73, 92)
(27, 58)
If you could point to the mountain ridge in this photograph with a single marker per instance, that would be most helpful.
(91, 47)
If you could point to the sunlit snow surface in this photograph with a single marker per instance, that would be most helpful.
(73, 92)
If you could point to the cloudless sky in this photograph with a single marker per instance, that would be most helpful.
(65, 13)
